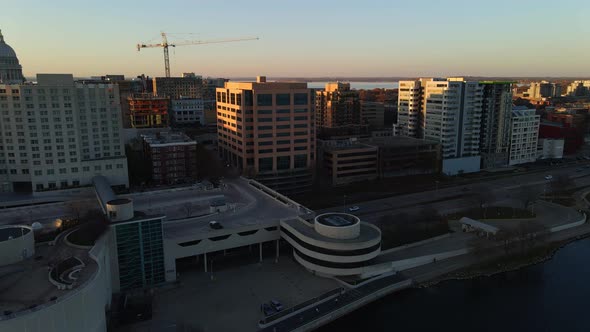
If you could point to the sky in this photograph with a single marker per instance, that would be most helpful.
(303, 38)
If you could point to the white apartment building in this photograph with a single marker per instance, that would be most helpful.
(58, 134)
(188, 111)
(451, 115)
(408, 109)
(524, 136)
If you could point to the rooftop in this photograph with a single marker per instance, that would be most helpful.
(249, 205)
(166, 137)
(337, 219)
(397, 141)
(368, 232)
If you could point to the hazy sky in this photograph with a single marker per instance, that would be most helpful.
(304, 38)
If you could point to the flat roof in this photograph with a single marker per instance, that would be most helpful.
(367, 233)
(397, 141)
(337, 219)
(352, 146)
(247, 206)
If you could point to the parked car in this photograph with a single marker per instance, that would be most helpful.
(278, 306)
(548, 177)
(353, 208)
(267, 310)
(215, 225)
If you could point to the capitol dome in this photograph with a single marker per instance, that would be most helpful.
(11, 71)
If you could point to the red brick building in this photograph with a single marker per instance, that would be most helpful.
(173, 157)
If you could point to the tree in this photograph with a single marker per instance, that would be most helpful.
(561, 182)
(483, 196)
(188, 208)
(507, 237)
(527, 195)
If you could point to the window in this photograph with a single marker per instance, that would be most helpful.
(265, 164)
(300, 161)
(283, 162)
(300, 99)
(283, 99)
(264, 99)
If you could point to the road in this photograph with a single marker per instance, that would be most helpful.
(452, 199)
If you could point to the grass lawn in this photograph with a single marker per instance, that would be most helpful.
(493, 212)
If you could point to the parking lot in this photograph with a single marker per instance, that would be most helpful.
(231, 302)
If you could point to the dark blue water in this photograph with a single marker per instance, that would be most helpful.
(553, 296)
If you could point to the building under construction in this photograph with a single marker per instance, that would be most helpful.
(148, 111)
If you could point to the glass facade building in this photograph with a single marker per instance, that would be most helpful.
(140, 254)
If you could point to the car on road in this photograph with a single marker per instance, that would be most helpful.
(353, 208)
(215, 225)
(548, 177)
(278, 306)
(267, 310)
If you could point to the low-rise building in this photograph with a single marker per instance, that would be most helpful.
(550, 148)
(400, 155)
(524, 136)
(188, 111)
(348, 161)
(172, 155)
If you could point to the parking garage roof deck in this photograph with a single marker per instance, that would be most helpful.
(248, 205)
(367, 233)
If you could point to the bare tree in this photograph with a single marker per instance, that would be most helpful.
(507, 237)
(561, 182)
(483, 196)
(77, 208)
(188, 208)
(527, 195)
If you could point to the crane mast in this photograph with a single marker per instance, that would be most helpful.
(165, 45)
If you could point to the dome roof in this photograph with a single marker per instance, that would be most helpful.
(5, 49)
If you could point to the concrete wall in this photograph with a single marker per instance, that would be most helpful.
(461, 165)
(568, 226)
(17, 249)
(82, 309)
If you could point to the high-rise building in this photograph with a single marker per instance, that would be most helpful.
(409, 109)
(524, 136)
(11, 72)
(451, 112)
(578, 89)
(337, 106)
(373, 114)
(178, 87)
(267, 130)
(148, 111)
(495, 123)
(58, 134)
(338, 111)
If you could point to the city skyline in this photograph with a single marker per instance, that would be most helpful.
(381, 39)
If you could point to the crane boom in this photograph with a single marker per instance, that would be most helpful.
(165, 45)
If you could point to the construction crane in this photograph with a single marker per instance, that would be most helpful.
(165, 45)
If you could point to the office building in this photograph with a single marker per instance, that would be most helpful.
(524, 136)
(495, 123)
(173, 157)
(11, 71)
(178, 87)
(550, 148)
(578, 89)
(188, 111)
(267, 130)
(148, 111)
(58, 134)
(373, 114)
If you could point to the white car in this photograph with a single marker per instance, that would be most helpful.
(353, 208)
(548, 177)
